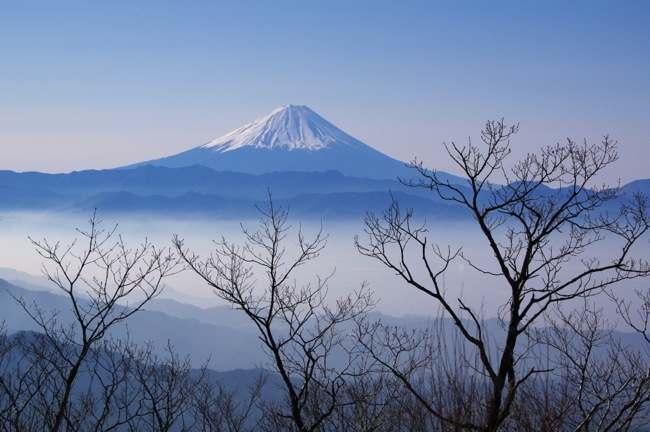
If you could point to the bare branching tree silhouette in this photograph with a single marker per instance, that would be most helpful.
(105, 282)
(541, 227)
(298, 328)
(602, 381)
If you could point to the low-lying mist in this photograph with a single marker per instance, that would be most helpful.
(349, 269)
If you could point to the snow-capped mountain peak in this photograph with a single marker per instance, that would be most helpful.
(289, 127)
(291, 138)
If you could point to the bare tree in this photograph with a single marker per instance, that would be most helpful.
(299, 330)
(221, 409)
(105, 282)
(602, 382)
(538, 227)
(437, 370)
(636, 314)
(18, 386)
(161, 390)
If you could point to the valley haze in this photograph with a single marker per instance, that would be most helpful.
(323, 176)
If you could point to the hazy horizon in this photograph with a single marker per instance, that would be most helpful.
(96, 86)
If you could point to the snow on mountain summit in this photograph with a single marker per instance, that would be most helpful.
(291, 138)
(289, 127)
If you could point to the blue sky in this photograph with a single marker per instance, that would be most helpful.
(91, 85)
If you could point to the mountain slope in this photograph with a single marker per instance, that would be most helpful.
(226, 346)
(290, 127)
(291, 138)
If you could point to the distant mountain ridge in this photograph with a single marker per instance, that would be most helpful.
(199, 191)
(203, 192)
(221, 334)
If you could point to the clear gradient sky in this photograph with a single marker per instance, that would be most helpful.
(92, 85)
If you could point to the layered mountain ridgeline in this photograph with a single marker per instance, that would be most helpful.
(226, 346)
(204, 192)
(220, 335)
(201, 191)
(304, 161)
